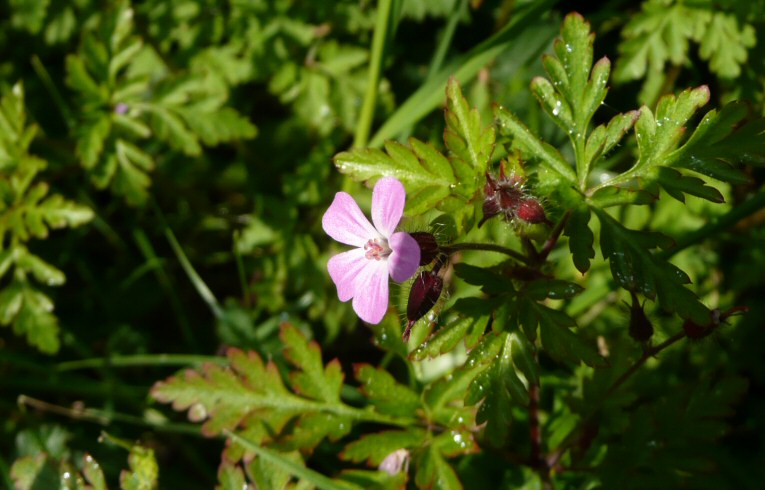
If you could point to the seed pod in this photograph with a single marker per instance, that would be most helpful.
(641, 328)
(428, 246)
(422, 297)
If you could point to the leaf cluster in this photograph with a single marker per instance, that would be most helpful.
(28, 211)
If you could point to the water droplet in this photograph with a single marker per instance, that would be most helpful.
(569, 48)
(556, 109)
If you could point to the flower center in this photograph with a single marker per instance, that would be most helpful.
(377, 249)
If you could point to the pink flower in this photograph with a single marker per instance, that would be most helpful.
(362, 273)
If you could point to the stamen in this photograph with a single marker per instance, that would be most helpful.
(377, 249)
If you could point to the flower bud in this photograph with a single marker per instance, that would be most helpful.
(428, 246)
(641, 328)
(507, 196)
(530, 211)
(717, 317)
(395, 462)
(424, 294)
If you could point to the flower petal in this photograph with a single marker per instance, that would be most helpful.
(345, 222)
(388, 199)
(344, 268)
(405, 256)
(372, 285)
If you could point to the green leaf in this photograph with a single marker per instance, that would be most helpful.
(226, 397)
(531, 147)
(722, 139)
(580, 238)
(250, 393)
(523, 355)
(312, 379)
(33, 472)
(635, 268)
(560, 342)
(230, 477)
(144, 471)
(266, 474)
(219, 126)
(500, 388)
(41, 270)
(604, 138)
(35, 320)
(374, 448)
(471, 143)
(170, 127)
(658, 136)
(425, 173)
(662, 32)
(441, 395)
(725, 44)
(434, 472)
(92, 472)
(294, 468)
(385, 393)
(541, 289)
(677, 185)
(448, 336)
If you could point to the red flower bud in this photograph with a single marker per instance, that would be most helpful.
(428, 246)
(422, 297)
(507, 196)
(530, 211)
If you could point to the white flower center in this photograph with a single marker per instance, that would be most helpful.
(377, 249)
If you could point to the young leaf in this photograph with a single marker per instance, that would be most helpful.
(470, 143)
(530, 146)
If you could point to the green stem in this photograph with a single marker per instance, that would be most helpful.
(720, 224)
(487, 247)
(647, 354)
(443, 47)
(242, 277)
(140, 360)
(147, 250)
(279, 460)
(375, 67)
(103, 418)
(58, 100)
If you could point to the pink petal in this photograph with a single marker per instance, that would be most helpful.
(345, 222)
(388, 199)
(344, 268)
(405, 256)
(371, 302)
